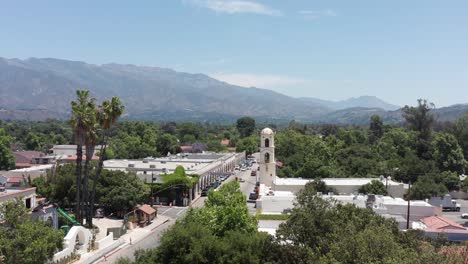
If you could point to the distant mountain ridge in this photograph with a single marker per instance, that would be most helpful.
(36, 89)
(361, 101)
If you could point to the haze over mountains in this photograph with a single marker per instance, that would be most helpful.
(36, 89)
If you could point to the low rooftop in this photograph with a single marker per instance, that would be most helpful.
(7, 192)
(332, 181)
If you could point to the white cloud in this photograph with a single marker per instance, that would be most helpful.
(257, 80)
(235, 6)
(315, 14)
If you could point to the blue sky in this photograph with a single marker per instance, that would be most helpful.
(396, 50)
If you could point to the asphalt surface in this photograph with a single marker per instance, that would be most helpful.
(456, 216)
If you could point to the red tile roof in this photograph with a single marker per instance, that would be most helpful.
(147, 209)
(438, 223)
(186, 147)
(25, 165)
(14, 180)
(26, 156)
(225, 142)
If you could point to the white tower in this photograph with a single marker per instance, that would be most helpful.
(267, 157)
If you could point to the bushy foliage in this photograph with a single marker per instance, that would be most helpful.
(25, 241)
(373, 187)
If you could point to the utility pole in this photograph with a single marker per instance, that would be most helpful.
(409, 199)
(152, 179)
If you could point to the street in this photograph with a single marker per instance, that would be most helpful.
(456, 216)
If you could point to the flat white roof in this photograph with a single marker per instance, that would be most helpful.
(140, 165)
(193, 164)
(35, 168)
(359, 200)
(332, 181)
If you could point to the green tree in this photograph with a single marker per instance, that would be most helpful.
(447, 153)
(120, 192)
(83, 117)
(373, 187)
(248, 144)
(325, 231)
(426, 187)
(357, 161)
(246, 126)
(421, 120)
(33, 142)
(7, 161)
(25, 241)
(461, 131)
(375, 128)
(167, 143)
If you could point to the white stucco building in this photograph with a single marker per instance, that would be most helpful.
(267, 157)
(28, 195)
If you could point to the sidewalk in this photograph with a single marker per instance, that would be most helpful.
(131, 237)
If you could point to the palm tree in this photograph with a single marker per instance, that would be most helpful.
(108, 113)
(82, 117)
(90, 144)
(78, 126)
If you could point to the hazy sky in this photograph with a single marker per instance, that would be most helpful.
(396, 50)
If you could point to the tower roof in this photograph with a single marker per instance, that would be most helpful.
(267, 131)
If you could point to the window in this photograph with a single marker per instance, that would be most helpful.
(267, 157)
(28, 203)
(267, 143)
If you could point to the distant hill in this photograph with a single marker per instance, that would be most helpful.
(37, 89)
(147, 92)
(359, 102)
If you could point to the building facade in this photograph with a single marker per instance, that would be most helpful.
(267, 157)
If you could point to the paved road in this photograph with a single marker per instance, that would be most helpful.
(456, 216)
(172, 212)
(248, 186)
(150, 241)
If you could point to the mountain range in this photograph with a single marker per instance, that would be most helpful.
(36, 89)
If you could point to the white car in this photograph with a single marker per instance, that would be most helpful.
(243, 169)
(464, 216)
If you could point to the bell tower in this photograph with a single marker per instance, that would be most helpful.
(267, 157)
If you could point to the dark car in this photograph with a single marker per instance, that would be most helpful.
(205, 191)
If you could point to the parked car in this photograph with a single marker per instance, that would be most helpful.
(205, 191)
(243, 169)
(241, 180)
(253, 173)
(464, 216)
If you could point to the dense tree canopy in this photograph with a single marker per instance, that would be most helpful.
(25, 241)
(118, 192)
(7, 161)
(374, 187)
(245, 126)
